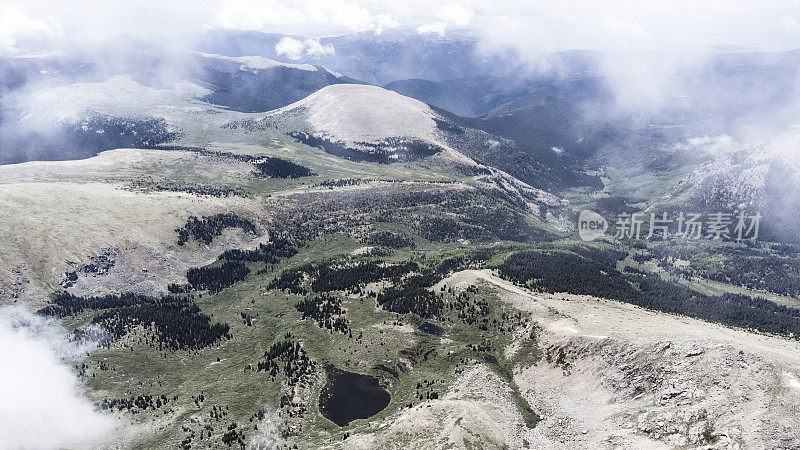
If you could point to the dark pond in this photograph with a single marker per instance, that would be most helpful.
(349, 396)
(429, 328)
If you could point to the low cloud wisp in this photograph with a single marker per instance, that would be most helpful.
(43, 406)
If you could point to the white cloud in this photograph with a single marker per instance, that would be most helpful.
(544, 25)
(289, 16)
(41, 404)
(548, 24)
(646, 80)
(384, 22)
(18, 25)
(625, 28)
(447, 14)
(314, 48)
(455, 13)
(295, 49)
(789, 24)
(435, 27)
(252, 15)
(346, 14)
(290, 48)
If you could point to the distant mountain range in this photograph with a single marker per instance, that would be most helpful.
(555, 129)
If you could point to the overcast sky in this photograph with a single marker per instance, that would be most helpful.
(529, 25)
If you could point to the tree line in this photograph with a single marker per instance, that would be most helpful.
(215, 278)
(178, 322)
(564, 271)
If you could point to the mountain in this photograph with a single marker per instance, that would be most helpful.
(59, 106)
(354, 114)
(713, 174)
(477, 96)
(226, 247)
(376, 59)
(257, 84)
(368, 123)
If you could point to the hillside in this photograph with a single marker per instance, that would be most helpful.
(236, 249)
(354, 114)
(258, 84)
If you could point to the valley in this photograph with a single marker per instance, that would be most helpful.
(271, 254)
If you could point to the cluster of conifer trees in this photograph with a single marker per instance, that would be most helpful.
(140, 403)
(291, 281)
(741, 267)
(471, 311)
(264, 167)
(102, 132)
(234, 435)
(409, 292)
(413, 296)
(190, 188)
(385, 152)
(215, 278)
(340, 276)
(177, 321)
(326, 310)
(269, 253)
(271, 167)
(289, 357)
(329, 277)
(206, 229)
(563, 271)
(233, 268)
